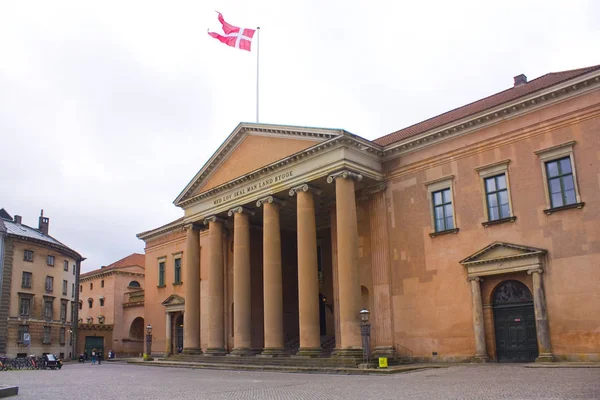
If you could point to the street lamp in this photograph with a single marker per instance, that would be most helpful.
(149, 343)
(365, 333)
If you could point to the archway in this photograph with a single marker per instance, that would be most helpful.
(136, 330)
(514, 322)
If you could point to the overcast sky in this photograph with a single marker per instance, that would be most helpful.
(108, 109)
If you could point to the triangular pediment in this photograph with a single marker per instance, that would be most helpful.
(173, 300)
(498, 251)
(250, 147)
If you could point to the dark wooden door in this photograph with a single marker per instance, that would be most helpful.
(516, 339)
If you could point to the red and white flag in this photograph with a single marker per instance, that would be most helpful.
(240, 38)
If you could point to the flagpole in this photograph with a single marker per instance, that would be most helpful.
(257, 59)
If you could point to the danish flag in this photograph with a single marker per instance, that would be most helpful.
(240, 38)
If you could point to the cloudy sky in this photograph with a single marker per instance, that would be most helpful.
(108, 109)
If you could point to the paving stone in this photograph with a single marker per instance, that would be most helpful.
(122, 381)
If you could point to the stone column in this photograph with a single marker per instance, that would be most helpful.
(168, 348)
(272, 278)
(478, 328)
(381, 315)
(191, 277)
(216, 341)
(541, 317)
(242, 289)
(348, 275)
(308, 280)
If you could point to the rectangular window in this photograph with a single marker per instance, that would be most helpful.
(21, 331)
(178, 270)
(47, 333)
(74, 266)
(161, 273)
(48, 312)
(49, 284)
(443, 213)
(80, 288)
(65, 283)
(50, 261)
(66, 265)
(63, 311)
(25, 306)
(91, 285)
(102, 283)
(496, 193)
(61, 336)
(28, 255)
(561, 185)
(26, 280)
(72, 290)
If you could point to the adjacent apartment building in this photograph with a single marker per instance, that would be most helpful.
(472, 235)
(38, 290)
(111, 308)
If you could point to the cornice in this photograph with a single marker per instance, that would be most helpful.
(492, 116)
(347, 139)
(64, 250)
(103, 274)
(145, 236)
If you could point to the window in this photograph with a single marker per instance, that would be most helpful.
(442, 210)
(26, 280)
(102, 283)
(560, 177)
(72, 311)
(21, 331)
(101, 319)
(74, 266)
(49, 284)
(81, 305)
(25, 306)
(496, 194)
(161, 273)
(28, 255)
(134, 284)
(90, 303)
(440, 193)
(101, 301)
(48, 311)
(65, 283)
(91, 285)
(178, 270)
(47, 333)
(80, 288)
(72, 290)
(66, 265)
(63, 310)
(560, 182)
(50, 261)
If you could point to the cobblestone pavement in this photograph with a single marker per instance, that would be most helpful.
(121, 381)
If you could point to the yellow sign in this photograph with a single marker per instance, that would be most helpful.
(383, 362)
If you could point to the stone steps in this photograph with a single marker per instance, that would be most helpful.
(291, 361)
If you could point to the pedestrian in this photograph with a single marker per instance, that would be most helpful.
(99, 357)
(93, 357)
(85, 356)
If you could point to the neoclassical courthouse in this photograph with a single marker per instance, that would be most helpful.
(473, 235)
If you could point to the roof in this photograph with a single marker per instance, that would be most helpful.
(161, 228)
(4, 214)
(134, 259)
(497, 99)
(12, 228)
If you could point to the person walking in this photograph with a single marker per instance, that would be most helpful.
(85, 355)
(93, 357)
(99, 357)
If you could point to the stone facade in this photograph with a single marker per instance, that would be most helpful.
(424, 227)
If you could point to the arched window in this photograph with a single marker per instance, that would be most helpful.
(511, 292)
(90, 302)
(134, 284)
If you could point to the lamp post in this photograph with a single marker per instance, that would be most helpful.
(365, 333)
(149, 343)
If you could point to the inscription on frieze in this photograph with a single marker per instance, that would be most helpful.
(254, 186)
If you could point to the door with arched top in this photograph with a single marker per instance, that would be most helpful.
(514, 323)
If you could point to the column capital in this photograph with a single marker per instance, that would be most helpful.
(344, 174)
(240, 210)
(474, 278)
(374, 189)
(535, 271)
(305, 187)
(270, 200)
(214, 218)
(191, 226)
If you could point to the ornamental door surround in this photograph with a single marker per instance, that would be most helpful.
(504, 258)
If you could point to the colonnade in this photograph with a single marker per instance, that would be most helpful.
(308, 284)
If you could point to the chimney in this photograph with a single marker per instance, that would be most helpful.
(520, 80)
(43, 223)
(103, 266)
(18, 219)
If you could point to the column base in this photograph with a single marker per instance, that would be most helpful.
(480, 358)
(309, 352)
(384, 351)
(242, 352)
(545, 357)
(215, 352)
(273, 352)
(192, 350)
(356, 353)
